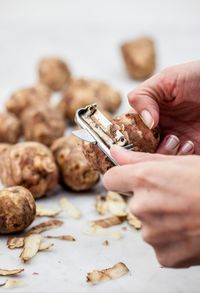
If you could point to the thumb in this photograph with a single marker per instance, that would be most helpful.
(126, 157)
(145, 98)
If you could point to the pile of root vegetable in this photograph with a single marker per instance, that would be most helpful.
(112, 208)
(36, 156)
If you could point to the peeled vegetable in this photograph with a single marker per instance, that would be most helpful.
(136, 133)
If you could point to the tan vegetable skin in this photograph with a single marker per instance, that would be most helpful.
(134, 130)
(31, 165)
(10, 128)
(99, 276)
(139, 57)
(17, 209)
(75, 171)
(28, 97)
(43, 123)
(4, 147)
(54, 73)
(82, 92)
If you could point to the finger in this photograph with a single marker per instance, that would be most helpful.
(169, 146)
(143, 100)
(111, 179)
(122, 179)
(125, 157)
(146, 107)
(179, 254)
(187, 148)
(151, 205)
(156, 236)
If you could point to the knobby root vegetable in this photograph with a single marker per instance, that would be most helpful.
(139, 57)
(31, 165)
(75, 170)
(17, 209)
(28, 97)
(135, 132)
(54, 73)
(43, 123)
(10, 128)
(81, 92)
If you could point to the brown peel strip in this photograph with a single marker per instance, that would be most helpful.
(10, 272)
(45, 226)
(115, 272)
(115, 203)
(134, 221)
(109, 222)
(69, 208)
(44, 212)
(45, 246)
(62, 237)
(106, 243)
(101, 204)
(12, 283)
(15, 242)
(116, 235)
(31, 246)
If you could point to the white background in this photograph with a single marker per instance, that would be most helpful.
(87, 34)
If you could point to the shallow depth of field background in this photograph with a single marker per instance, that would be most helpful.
(87, 34)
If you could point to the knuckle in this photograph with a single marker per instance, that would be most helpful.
(151, 236)
(168, 259)
(162, 259)
(148, 236)
(107, 178)
(141, 177)
(137, 209)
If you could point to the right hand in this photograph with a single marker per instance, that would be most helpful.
(172, 99)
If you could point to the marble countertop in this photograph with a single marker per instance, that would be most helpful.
(87, 34)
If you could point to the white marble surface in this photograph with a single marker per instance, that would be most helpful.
(87, 33)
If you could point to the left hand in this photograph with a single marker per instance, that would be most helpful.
(166, 200)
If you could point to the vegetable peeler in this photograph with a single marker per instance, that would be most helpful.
(97, 129)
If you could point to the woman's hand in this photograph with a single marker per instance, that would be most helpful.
(166, 200)
(172, 99)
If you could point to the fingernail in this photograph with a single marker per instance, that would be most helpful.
(188, 147)
(172, 142)
(147, 118)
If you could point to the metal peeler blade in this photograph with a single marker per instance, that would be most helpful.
(96, 129)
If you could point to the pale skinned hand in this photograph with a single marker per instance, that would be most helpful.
(166, 199)
(166, 188)
(172, 99)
